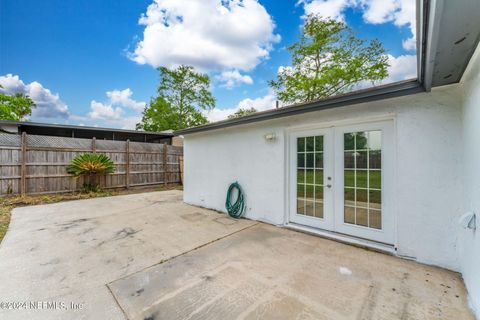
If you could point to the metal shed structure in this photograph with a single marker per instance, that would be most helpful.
(71, 131)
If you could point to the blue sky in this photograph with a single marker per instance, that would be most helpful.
(93, 62)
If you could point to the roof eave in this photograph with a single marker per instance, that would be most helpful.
(73, 127)
(367, 95)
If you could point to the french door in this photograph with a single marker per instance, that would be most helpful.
(342, 180)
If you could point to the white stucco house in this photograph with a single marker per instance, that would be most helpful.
(392, 167)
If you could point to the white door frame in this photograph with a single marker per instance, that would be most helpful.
(385, 123)
(387, 233)
(327, 222)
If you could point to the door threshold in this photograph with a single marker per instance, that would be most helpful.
(358, 242)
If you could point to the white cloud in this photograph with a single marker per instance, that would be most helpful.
(410, 44)
(48, 104)
(211, 35)
(233, 79)
(327, 8)
(399, 12)
(122, 98)
(124, 122)
(104, 111)
(379, 11)
(260, 104)
(112, 113)
(127, 123)
(401, 68)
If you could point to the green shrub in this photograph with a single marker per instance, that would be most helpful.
(91, 166)
(90, 187)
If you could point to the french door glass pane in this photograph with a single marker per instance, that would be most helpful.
(309, 162)
(362, 178)
(310, 176)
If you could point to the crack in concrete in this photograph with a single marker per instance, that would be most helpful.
(169, 259)
(184, 253)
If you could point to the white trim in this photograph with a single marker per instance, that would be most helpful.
(390, 249)
(431, 44)
(394, 183)
(327, 221)
(340, 123)
(392, 238)
(387, 233)
(286, 176)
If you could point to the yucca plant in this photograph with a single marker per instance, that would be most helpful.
(90, 166)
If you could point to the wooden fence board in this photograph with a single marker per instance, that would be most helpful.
(40, 165)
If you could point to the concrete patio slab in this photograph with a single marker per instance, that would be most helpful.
(67, 252)
(149, 256)
(264, 272)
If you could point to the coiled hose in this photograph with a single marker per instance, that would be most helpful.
(235, 210)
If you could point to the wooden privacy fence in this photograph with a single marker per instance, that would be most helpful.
(37, 164)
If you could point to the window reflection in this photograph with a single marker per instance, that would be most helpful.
(362, 178)
(310, 176)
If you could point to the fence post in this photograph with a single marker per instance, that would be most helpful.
(127, 165)
(180, 168)
(94, 145)
(165, 180)
(23, 168)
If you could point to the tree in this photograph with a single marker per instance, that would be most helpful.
(15, 107)
(242, 112)
(328, 60)
(159, 115)
(182, 95)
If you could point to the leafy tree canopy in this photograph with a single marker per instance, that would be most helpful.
(15, 107)
(242, 112)
(182, 95)
(328, 60)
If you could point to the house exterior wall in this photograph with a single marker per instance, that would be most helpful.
(469, 240)
(428, 182)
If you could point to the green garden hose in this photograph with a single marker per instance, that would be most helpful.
(235, 210)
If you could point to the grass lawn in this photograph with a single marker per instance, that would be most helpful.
(349, 176)
(7, 204)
